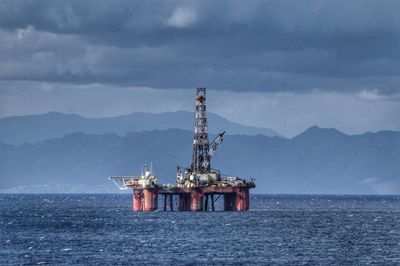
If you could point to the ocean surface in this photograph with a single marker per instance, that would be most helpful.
(279, 229)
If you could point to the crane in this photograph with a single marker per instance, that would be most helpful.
(213, 147)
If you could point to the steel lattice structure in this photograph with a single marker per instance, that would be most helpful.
(201, 159)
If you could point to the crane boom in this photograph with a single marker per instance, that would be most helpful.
(213, 147)
(218, 140)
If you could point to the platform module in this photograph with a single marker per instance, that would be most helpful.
(198, 186)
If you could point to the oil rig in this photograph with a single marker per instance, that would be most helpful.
(197, 187)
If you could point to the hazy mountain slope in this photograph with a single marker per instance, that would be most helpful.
(316, 161)
(20, 129)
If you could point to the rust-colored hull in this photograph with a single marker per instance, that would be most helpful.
(150, 200)
(196, 203)
(193, 199)
(137, 201)
(242, 199)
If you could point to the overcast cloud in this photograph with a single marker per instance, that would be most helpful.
(309, 51)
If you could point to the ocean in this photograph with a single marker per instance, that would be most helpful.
(95, 229)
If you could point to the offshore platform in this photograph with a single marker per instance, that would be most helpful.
(197, 187)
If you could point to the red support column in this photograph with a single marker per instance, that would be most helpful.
(150, 200)
(196, 203)
(137, 201)
(240, 199)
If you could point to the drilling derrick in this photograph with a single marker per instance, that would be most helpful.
(201, 159)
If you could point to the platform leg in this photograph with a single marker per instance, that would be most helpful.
(241, 200)
(184, 202)
(137, 201)
(150, 200)
(196, 201)
(229, 201)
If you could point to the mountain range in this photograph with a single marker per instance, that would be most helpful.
(316, 161)
(17, 130)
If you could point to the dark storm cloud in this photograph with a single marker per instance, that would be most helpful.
(231, 45)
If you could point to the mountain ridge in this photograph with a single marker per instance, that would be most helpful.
(20, 129)
(313, 164)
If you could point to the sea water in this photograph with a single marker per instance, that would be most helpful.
(278, 229)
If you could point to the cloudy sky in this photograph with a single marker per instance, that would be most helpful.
(285, 65)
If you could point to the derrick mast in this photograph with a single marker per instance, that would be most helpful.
(201, 159)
